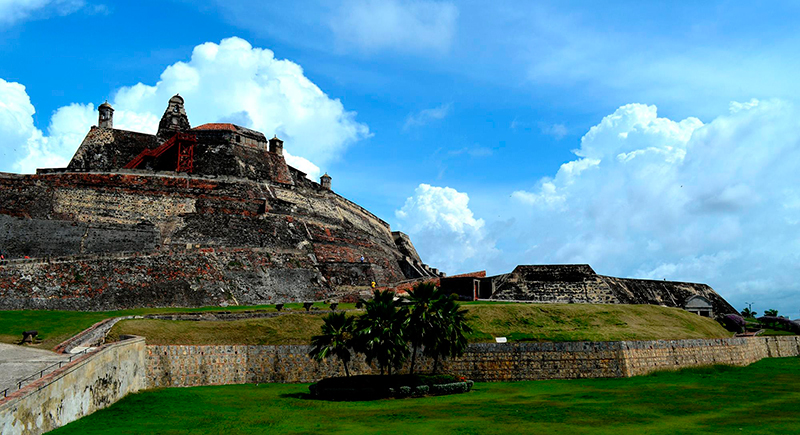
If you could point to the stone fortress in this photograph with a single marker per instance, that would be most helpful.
(213, 215)
(210, 215)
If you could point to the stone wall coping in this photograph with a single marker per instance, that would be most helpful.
(51, 377)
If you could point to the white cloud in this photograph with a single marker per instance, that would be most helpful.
(230, 81)
(12, 11)
(409, 26)
(657, 198)
(558, 131)
(427, 116)
(444, 230)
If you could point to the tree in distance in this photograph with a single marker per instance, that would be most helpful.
(747, 313)
(771, 313)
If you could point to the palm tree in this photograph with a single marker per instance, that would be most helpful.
(381, 331)
(336, 337)
(422, 305)
(747, 313)
(449, 332)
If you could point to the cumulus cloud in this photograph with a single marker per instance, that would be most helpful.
(409, 26)
(227, 82)
(427, 116)
(12, 11)
(657, 198)
(444, 229)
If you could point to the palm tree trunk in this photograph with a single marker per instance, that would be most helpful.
(413, 359)
(346, 372)
(435, 364)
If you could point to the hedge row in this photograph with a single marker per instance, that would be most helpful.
(366, 393)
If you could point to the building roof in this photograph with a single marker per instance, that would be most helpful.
(224, 126)
(217, 126)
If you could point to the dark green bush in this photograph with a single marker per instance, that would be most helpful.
(370, 387)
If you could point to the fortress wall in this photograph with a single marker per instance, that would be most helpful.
(642, 357)
(70, 214)
(183, 366)
(669, 293)
(198, 277)
(554, 284)
(89, 383)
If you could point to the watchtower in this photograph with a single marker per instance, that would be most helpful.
(106, 117)
(174, 119)
(276, 146)
(325, 181)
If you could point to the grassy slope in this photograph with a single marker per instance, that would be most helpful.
(56, 326)
(582, 322)
(709, 400)
(517, 322)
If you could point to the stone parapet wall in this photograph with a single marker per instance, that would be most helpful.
(642, 357)
(92, 382)
(184, 365)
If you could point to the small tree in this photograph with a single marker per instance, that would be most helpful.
(336, 339)
(381, 331)
(747, 313)
(771, 313)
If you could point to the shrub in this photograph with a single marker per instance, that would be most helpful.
(783, 323)
(369, 387)
(734, 322)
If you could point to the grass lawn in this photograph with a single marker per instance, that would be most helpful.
(762, 398)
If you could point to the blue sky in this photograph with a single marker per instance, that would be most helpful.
(649, 139)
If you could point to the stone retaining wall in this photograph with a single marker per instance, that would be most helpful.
(184, 366)
(87, 384)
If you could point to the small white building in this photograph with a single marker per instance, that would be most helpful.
(699, 305)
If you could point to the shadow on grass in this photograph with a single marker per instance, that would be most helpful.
(303, 396)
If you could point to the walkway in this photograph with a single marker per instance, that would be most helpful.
(20, 362)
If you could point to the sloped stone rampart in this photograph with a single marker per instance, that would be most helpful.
(89, 383)
(184, 366)
(189, 241)
(578, 283)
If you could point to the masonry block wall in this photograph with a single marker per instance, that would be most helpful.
(117, 240)
(93, 382)
(183, 366)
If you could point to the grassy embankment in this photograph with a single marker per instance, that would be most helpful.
(760, 398)
(57, 326)
(517, 322)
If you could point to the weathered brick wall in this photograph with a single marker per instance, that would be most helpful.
(183, 366)
(272, 242)
(196, 277)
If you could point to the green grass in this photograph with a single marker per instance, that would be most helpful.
(586, 322)
(57, 326)
(762, 398)
(517, 322)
